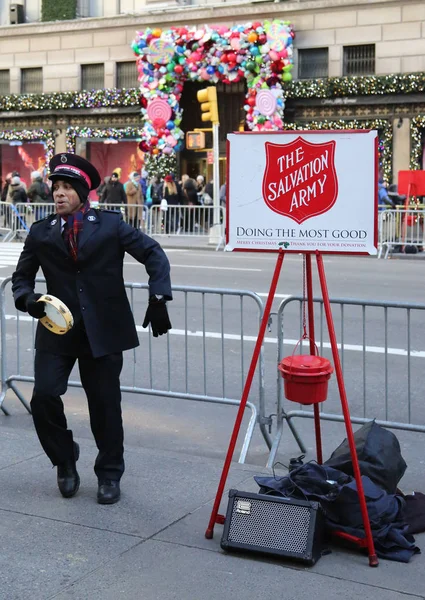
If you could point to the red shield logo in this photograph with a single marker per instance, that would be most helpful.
(300, 178)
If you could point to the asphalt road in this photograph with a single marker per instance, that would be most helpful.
(197, 359)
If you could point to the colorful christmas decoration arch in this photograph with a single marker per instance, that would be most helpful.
(260, 53)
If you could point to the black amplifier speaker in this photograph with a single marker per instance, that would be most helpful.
(273, 525)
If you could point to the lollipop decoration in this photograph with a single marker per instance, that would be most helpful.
(276, 36)
(160, 51)
(266, 102)
(260, 53)
(159, 110)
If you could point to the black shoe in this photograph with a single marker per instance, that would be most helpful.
(108, 491)
(68, 478)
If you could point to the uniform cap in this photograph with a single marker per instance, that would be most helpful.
(72, 166)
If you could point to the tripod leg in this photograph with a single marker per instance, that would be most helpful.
(373, 559)
(214, 514)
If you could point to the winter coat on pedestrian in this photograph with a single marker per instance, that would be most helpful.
(114, 193)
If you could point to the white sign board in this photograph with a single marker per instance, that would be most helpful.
(303, 191)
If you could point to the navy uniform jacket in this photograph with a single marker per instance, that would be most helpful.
(92, 288)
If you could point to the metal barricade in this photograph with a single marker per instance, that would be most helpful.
(383, 370)
(6, 222)
(20, 217)
(400, 228)
(185, 220)
(135, 215)
(192, 221)
(25, 214)
(223, 322)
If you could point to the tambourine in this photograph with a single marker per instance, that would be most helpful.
(58, 317)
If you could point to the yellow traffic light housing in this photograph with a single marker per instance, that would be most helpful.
(209, 107)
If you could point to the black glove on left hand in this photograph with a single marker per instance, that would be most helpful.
(34, 308)
(157, 316)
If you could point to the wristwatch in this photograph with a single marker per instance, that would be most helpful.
(156, 298)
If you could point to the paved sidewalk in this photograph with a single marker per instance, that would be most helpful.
(151, 545)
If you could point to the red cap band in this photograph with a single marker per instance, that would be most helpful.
(76, 170)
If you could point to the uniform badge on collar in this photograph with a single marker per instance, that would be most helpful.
(91, 218)
(64, 158)
(53, 222)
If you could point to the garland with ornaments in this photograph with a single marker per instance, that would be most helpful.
(385, 136)
(108, 133)
(105, 98)
(417, 131)
(43, 136)
(259, 53)
(333, 87)
(337, 87)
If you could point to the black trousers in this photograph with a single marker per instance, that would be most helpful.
(101, 382)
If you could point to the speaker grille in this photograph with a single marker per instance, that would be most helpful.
(270, 524)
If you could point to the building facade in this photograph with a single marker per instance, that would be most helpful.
(73, 84)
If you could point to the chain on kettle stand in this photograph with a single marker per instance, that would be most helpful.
(305, 334)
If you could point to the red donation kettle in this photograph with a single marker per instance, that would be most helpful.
(305, 377)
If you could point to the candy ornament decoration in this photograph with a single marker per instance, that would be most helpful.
(260, 53)
(159, 110)
(266, 102)
(160, 51)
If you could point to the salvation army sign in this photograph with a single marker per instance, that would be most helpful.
(302, 191)
(300, 178)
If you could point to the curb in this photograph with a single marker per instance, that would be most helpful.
(208, 248)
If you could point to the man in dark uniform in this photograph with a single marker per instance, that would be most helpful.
(80, 251)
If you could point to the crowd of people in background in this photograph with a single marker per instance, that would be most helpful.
(14, 190)
(141, 191)
(135, 196)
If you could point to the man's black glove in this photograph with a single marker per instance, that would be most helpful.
(34, 308)
(157, 316)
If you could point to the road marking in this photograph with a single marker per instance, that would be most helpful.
(267, 340)
(201, 267)
(211, 267)
(266, 295)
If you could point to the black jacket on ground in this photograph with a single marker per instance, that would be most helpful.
(92, 288)
(339, 500)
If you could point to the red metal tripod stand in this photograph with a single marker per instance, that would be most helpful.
(367, 542)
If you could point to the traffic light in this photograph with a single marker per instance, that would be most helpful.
(209, 106)
(195, 140)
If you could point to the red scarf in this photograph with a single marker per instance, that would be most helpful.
(74, 226)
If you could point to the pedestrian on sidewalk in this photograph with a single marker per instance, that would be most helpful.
(114, 192)
(17, 195)
(39, 193)
(81, 252)
(172, 195)
(133, 191)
